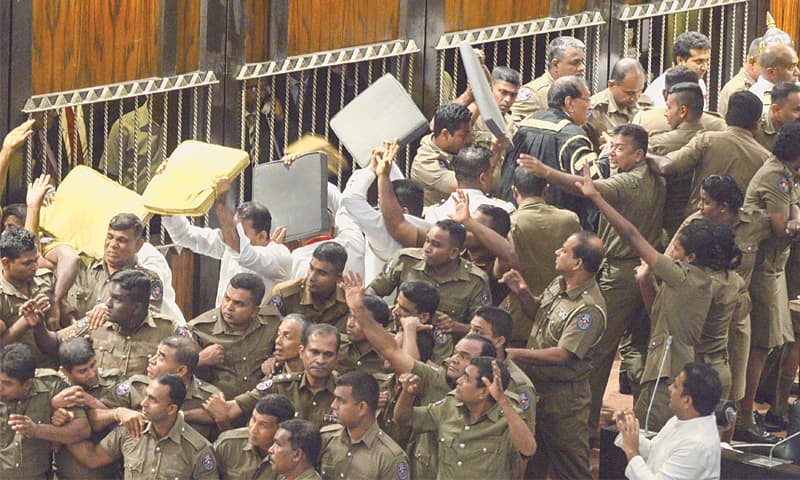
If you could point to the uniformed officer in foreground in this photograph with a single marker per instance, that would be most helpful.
(286, 357)
(747, 76)
(166, 448)
(317, 295)
(356, 447)
(569, 323)
(242, 452)
(236, 337)
(356, 353)
(295, 450)
(617, 104)
(784, 108)
(462, 286)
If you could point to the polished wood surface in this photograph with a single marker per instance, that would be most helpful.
(319, 25)
(188, 37)
(81, 43)
(257, 21)
(468, 14)
(182, 265)
(787, 16)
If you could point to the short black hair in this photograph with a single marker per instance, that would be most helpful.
(787, 143)
(410, 194)
(276, 405)
(332, 253)
(501, 220)
(177, 389)
(324, 329)
(635, 133)
(712, 243)
(250, 282)
(364, 387)
(378, 309)
(450, 116)
(500, 320)
(744, 110)
(75, 351)
(15, 242)
(624, 67)
(187, 351)
(484, 366)
(688, 41)
(425, 345)
(456, 232)
(127, 221)
(16, 361)
(563, 87)
(781, 91)
(470, 162)
(487, 346)
(18, 210)
(506, 74)
(680, 74)
(135, 283)
(258, 215)
(703, 385)
(305, 436)
(689, 95)
(422, 294)
(528, 184)
(723, 189)
(587, 251)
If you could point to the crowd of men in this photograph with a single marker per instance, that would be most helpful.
(465, 326)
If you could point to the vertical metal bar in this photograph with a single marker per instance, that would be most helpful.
(721, 55)
(638, 37)
(522, 57)
(29, 156)
(120, 152)
(245, 129)
(314, 99)
(105, 138)
(508, 53)
(90, 137)
(547, 48)
(734, 14)
(75, 148)
(149, 158)
(60, 155)
(533, 57)
(164, 131)
(179, 126)
(383, 66)
(256, 147)
(650, 45)
(356, 78)
(209, 98)
(455, 92)
(135, 146)
(272, 105)
(494, 54)
(339, 166)
(286, 83)
(662, 56)
(195, 111)
(410, 89)
(440, 59)
(595, 69)
(626, 40)
(699, 19)
(746, 30)
(301, 97)
(674, 26)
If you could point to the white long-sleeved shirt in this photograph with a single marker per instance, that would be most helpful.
(761, 87)
(149, 257)
(272, 262)
(476, 199)
(656, 91)
(683, 449)
(380, 246)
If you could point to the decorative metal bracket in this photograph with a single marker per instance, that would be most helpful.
(118, 91)
(638, 12)
(518, 30)
(327, 59)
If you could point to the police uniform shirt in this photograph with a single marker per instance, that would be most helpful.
(351, 359)
(92, 286)
(532, 97)
(10, 301)
(652, 119)
(483, 449)
(309, 474)
(732, 152)
(315, 407)
(182, 453)
(767, 134)
(606, 115)
(573, 319)
(388, 383)
(375, 456)
(483, 137)
(237, 459)
(523, 388)
(136, 136)
(663, 143)
(240, 370)
(738, 83)
(432, 169)
(292, 296)
(433, 386)
(461, 294)
(725, 290)
(29, 458)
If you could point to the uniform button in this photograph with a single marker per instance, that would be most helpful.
(459, 463)
(341, 475)
(124, 356)
(466, 427)
(349, 454)
(314, 403)
(358, 363)
(461, 445)
(152, 469)
(127, 338)
(441, 440)
(244, 359)
(484, 449)
(245, 378)
(158, 449)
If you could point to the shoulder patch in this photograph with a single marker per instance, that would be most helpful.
(439, 402)
(81, 324)
(783, 184)
(123, 388)
(443, 164)
(183, 332)
(524, 401)
(156, 292)
(402, 470)
(584, 321)
(524, 93)
(439, 337)
(276, 300)
(388, 267)
(485, 298)
(208, 462)
(264, 385)
(433, 367)
(330, 419)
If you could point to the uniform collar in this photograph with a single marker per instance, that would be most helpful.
(530, 201)
(578, 290)
(766, 124)
(194, 388)
(459, 274)
(613, 107)
(368, 439)
(690, 126)
(494, 414)
(248, 447)
(305, 298)
(221, 327)
(740, 130)
(8, 288)
(330, 386)
(101, 263)
(148, 320)
(439, 152)
(748, 80)
(174, 433)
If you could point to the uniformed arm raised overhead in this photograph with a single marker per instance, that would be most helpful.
(403, 231)
(504, 253)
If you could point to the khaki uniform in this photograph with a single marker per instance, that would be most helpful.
(309, 474)
(375, 456)
(237, 459)
(134, 135)
(483, 137)
(241, 369)
(315, 407)
(731, 152)
(738, 83)
(432, 169)
(773, 188)
(351, 359)
(768, 133)
(29, 458)
(292, 296)
(573, 319)
(537, 231)
(652, 119)
(531, 97)
(433, 386)
(127, 351)
(10, 301)
(388, 383)
(130, 393)
(606, 115)
(461, 294)
(680, 310)
(92, 286)
(182, 453)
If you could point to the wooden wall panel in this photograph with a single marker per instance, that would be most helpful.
(188, 36)
(468, 14)
(787, 17)
(256, 41)
(80, 43)
(319, 25)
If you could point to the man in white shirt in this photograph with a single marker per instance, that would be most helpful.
(688, 446)
(149, 257)
(474, 171)
(242, 242)
(692, 49)
(778, 64)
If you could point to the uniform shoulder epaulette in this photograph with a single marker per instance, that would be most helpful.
(43, 272)
(413, 252)
(138, 378)
(209, 316)
(47, 373)
(234, 434)
(194, 437)
(268, 310)
(287, 377)
(331, 428)
(289, 287)
(473, 269)
(207, 387)
(387, 441)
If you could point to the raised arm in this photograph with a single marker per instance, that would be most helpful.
(403, 414)
(661, 164)
(399, 228)
(521, 435)
(14, 139)
(505, 255)
(226, 223)
(34, 198)
(564, 181)
(74, 431)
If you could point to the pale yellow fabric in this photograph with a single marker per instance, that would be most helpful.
(84, 203)
(314, 143)
(186, 187)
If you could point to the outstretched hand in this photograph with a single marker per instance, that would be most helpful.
(496, 385)
(39, 192)
(353, 290)
(514, 281)
(18, 135)
(586, 186)
(461, 214)
(532, 165)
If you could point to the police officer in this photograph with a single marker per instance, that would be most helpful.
(778, 63)
(692, 50)
(292, 436)
(286, 357)
(166, 448)
(236, 337)
(242, 452)
(617, 104)
(317, 296)
(743, 80)
(356, 447)
(356, 353)
(566, 56)
(462, 286)
(569, 322)
(784, 108)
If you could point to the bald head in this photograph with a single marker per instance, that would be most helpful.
(626, 82)
(779, 63)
